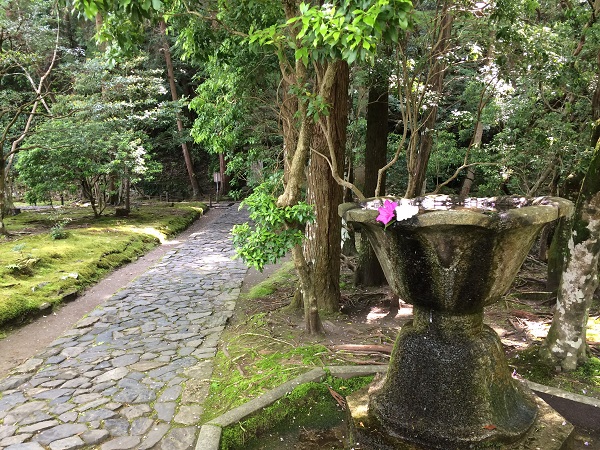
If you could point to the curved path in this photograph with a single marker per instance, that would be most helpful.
(133, 373)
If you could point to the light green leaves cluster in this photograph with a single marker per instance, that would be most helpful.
(274, 231)
(351, 31)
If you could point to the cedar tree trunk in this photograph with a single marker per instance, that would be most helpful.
(369, 272)
(323, 246)
(184, 147)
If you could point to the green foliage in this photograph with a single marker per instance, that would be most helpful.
(275, 230)
(351, 31)
(590, 371)
(58, 230)
(100, 133)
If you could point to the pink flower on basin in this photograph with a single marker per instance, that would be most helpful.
(387, 212)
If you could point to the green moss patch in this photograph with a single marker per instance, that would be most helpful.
(310, 406)
(271, 284)
(249, 370)
(584, 381)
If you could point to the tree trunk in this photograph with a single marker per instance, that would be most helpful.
(557, 253)
(369, 272)
(312, 320)
(565, 345)
(323, 247)
(184, 147)
(417, 162)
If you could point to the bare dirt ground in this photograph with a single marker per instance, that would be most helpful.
(371, 317)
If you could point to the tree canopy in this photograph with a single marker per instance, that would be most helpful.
(482, 99)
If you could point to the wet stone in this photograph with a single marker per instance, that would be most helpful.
(154, 436)
(117, 427)
(69, 417)
(86, 400)
(180, 439)
(170, 394)
(29, 366)
(7, 431)
(38, 426)
(7, 402)
(56, 359)
(59, 409)
(96, 414)
(13, 440)
(189, 415)
(141, 425)
(53, 394)
(26, 418)
(26, 446)
(165, 411)
(13, 382)
(132, 412)
(125, 360)
(112, 375)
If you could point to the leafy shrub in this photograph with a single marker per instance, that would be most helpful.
(275, 230)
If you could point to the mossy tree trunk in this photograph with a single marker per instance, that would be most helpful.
(565, 345)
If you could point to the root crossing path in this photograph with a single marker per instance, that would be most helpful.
(134, 372)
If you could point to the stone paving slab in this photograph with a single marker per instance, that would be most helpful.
(134, 372)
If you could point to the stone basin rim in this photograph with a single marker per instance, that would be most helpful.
(537, 210)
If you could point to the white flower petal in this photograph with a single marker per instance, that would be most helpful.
(405, 211)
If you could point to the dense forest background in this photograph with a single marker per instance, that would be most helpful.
(101, 100)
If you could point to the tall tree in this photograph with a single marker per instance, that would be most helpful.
(327, 29)
(175, 97)
(421, 143)
(565, 345)
(369, 271)
(27, 59)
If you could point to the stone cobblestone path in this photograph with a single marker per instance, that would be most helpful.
(134, 372)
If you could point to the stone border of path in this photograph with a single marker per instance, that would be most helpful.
(209, 437)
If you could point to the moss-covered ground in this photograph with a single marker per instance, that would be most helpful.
(38, 271)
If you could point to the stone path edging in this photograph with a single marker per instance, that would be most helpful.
(563, 394)
(210, 433)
